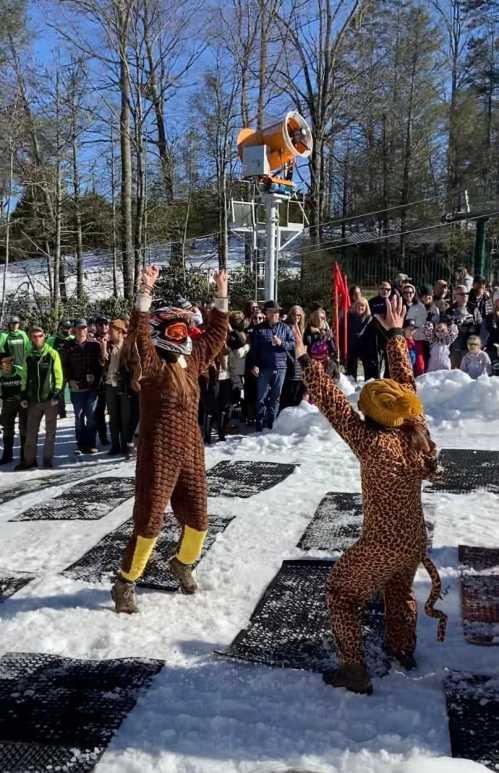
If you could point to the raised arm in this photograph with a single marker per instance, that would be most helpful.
(331, 401)
(139, 344)
(396, 347)
(398, 359)
(335, 406)
(207, 346)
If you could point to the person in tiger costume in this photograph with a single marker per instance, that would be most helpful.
(165, 364)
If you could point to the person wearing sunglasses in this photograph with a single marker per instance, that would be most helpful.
(165, 364)
(42, 383)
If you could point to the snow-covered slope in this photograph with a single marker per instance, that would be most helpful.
(31, 274)
(205, 715)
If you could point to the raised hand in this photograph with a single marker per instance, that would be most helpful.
(395, 313)
(300, 347)
(221, 284)
(149, 276)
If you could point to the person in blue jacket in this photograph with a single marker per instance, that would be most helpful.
(271, 345)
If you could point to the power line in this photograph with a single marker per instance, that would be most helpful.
(332, 246)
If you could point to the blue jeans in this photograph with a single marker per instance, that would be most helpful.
(85, 405)
(268, 393)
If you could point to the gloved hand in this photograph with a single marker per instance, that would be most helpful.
(54, 401)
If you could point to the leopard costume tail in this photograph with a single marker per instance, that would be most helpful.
(436, 593)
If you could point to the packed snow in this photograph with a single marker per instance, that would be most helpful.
(203, 714)
(454, 395)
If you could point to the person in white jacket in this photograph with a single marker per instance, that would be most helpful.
(476, 362)
(440, 337)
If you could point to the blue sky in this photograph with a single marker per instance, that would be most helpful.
(45, 39)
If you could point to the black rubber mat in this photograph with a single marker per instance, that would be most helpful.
(10, 585)
(473, 712)
(244, 479)
(35, 485)
(479, 559)
(87, 501)
(337, 523)
(480, 609)
(290, 626)
(59, 714)
(104, 559)
(480, 594)
(464, 470)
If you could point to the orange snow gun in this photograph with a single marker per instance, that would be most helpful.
(283, 143)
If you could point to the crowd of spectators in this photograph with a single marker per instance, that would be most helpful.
(253, 378)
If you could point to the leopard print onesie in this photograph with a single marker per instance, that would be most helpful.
(170, 453)
(393, 540)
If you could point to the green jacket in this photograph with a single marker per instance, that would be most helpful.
(42, 377)
(16, 344)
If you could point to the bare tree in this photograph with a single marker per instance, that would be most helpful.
(11, 122)
(315, 33)
(216, 106)
(112, 18)
(453, 17)
(76, 84)
(167, 35)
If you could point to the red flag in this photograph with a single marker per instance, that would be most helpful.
(336, 317)
(341, 303)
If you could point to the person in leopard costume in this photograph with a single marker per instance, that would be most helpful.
(165, 364)
(396, 454)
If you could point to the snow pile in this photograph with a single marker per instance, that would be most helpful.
(346, 385)
(304, 420)
(365, 764)
(453, 395)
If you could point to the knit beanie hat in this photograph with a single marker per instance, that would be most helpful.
(388, 403)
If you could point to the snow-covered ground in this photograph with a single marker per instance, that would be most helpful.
(205, 715)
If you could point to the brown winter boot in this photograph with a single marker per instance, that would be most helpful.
(123, 595)
(183, 573)
(353, 676)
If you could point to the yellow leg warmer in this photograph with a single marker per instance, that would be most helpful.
(190, 546)
(141, 555)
